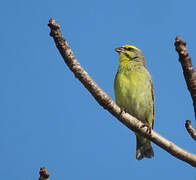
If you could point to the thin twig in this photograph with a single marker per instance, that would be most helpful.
(190, 129)
(44, 174)
(104, 100)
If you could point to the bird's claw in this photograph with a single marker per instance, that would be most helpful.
(149, 129)
(122, 109)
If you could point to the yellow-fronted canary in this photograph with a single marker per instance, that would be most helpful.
(134, 93)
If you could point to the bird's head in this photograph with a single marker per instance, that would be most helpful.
(130, 53)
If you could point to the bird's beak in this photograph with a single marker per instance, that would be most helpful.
(118, 50)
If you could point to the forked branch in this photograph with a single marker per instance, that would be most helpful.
(190, 78)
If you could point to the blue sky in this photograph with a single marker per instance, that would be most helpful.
(49, 119)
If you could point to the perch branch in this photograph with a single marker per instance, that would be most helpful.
(104, 100)
(44, 174)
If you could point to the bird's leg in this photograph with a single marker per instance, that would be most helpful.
(149, 129)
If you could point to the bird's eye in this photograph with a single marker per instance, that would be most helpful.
(129, 49)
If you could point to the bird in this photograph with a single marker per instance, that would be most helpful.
(134, 93)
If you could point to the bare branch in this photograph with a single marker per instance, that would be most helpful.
(189, 75)
(188, 69)
(44, 174)
(190, 129)
(104, 100)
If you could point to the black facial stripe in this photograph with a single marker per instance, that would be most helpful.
(126, 55)
(132, 58)
(135, 57)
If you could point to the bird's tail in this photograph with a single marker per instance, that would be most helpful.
(144, 148)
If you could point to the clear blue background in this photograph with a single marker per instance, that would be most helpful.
(49, 119)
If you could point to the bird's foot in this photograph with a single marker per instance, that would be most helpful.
(149, 129)
(122, 109)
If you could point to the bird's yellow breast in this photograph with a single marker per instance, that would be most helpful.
(133, 91)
